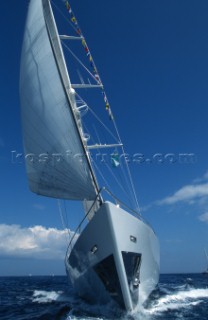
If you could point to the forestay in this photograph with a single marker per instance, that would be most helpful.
(56, 162)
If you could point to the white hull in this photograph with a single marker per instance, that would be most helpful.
(115, 257)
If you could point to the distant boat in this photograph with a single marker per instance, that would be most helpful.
(206, 270)
(116, 256)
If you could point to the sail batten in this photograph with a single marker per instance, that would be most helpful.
(56, 163)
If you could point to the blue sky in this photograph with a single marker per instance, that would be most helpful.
(153, 59)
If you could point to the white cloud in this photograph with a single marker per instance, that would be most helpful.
(188, 194)
(34, 242)
(202, 179)
(204, 217)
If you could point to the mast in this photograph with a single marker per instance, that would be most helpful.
(64, 76)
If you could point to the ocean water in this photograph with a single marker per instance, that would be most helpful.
(29, 298)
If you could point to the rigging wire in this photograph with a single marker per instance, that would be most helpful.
(130, 180)
(98, 138)
(128, 170)
(93, 162)
(112, 118)
(102, 176)
(63, 15)
(116, 179)
(132, 188)
(109, 169)
(62, 220)
(66, 216)
(127, 182)
(78, 60)
(99, 120)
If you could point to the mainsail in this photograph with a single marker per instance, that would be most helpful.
(56, 161)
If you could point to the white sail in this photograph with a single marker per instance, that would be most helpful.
(56, 162)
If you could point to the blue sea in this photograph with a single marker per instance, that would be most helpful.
(178, 296)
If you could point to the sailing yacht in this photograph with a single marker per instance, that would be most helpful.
(115, 256)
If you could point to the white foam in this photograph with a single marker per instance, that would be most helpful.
(42, 296)
(183, 295)
(181, 299)
(106, 311)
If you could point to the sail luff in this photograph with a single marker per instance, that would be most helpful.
(56, 45)
(61, 65)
